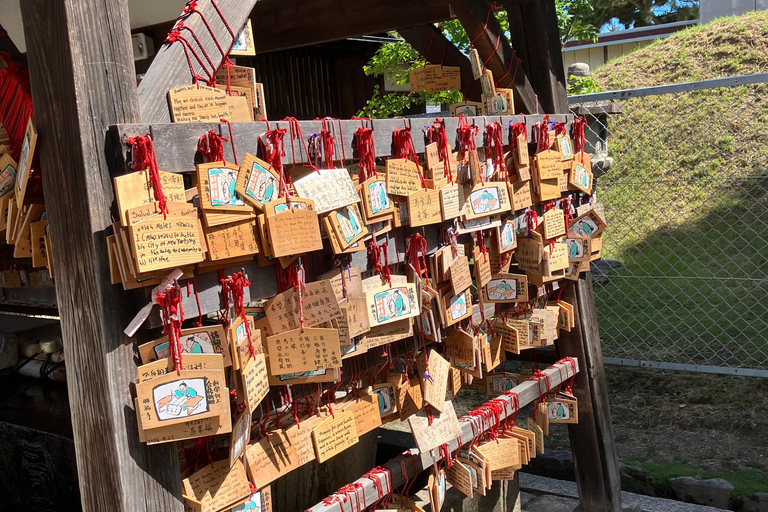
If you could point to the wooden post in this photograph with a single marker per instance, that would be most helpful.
(592, 441)
(536, 37)
(494, 48)
(82, 78)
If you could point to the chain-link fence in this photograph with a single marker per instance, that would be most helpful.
(682, 171)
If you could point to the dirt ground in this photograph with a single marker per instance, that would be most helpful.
(716, 423)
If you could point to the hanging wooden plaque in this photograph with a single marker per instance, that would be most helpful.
(243, 44)
(134, 190)
(386, 305)
(175, 398)
(424, 206)
(257, 182)
(242, 76)
(435, 78)
(293, 230)
(294, 351)
(403, 177)
(8, 167)
(320, 305)
(484, 200)
(218, 486)
(347, 225)
(24, 169)
(375, 197)
(467, 108)
(330, 189)
(444, 428)
(216, 187)
(580, 176)
(166, 243)
(509, 288)
(334, 435)
(198, 104)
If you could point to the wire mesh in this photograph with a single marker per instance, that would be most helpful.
(682, 174)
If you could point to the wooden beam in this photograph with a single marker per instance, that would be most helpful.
(501, 59)
(170, 67)
(533, 26)
(592, 440)
(430, 42)
(284, 24)
(82, 81)
(416, 461)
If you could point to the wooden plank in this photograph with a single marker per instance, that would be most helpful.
(283, 24)
(82, 78)
(430, 42)
(527, 392)
(501, 60)
(170, 67)
(592, 439)
(176, 143)
(542, 50)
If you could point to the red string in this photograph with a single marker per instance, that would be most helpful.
(173, 315)
(329, 146)
(466, 135)
(211, 146)
(495, 146)
(542, 137)
(491, 8)
(375, 260)
(275, 153)
(143, 157)
(366, 152)
(481, 245)
(403, 146)
(231, 138)
(235, 285)
(579, 139)
(436, 133)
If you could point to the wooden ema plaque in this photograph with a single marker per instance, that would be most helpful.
(255, 381)
(257, 182)
(320, 305)
(133, 190)
(216, 186)
(330, 189)
(294, 351)
(244, 42)
(451, 201)
(485, 200)
(403, 177)
(334, 435)
(166, 243)
(293, 229)
(435, 78)
(386, 305)
(424, 206)
(589, 225)
(270, 458)
(8, 167)
(375, 197)
(245, 77)
(198, 104)
(445, 428)
(460, 276)
(218, 486)
(467, 108)
(163, 367)
(506, 288)
(347, 225)
(231, 240)
(435, 387)
(553, 223)
(25, 162)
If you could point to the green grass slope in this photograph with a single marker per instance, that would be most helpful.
(686, 202)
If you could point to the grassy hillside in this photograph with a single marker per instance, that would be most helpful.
(726, 47)
(686, 201)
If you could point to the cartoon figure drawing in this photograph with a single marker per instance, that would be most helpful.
(23, 160)
(222, 182)
(262, 184)
(585, 227)
(575, 249)
(391, 304)
(295, 205)
(441, 489)
(500, 289)
(501, 384)
(379, 198)
(385, 399)
(507, 237)
(180, 398)
(252, 505)
(485, 200)
(558, 411)
(458, 306)
(7, 179)
(467, 110)
(581, 177)
(349, 223)
(565, 147)
(195, 343)
(240, 43)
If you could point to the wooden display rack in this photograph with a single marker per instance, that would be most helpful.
(84, 92)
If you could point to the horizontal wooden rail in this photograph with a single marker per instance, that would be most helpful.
(527, 392)
(176, 143)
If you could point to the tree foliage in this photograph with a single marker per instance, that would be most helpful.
(641, 13)
(573, 20)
